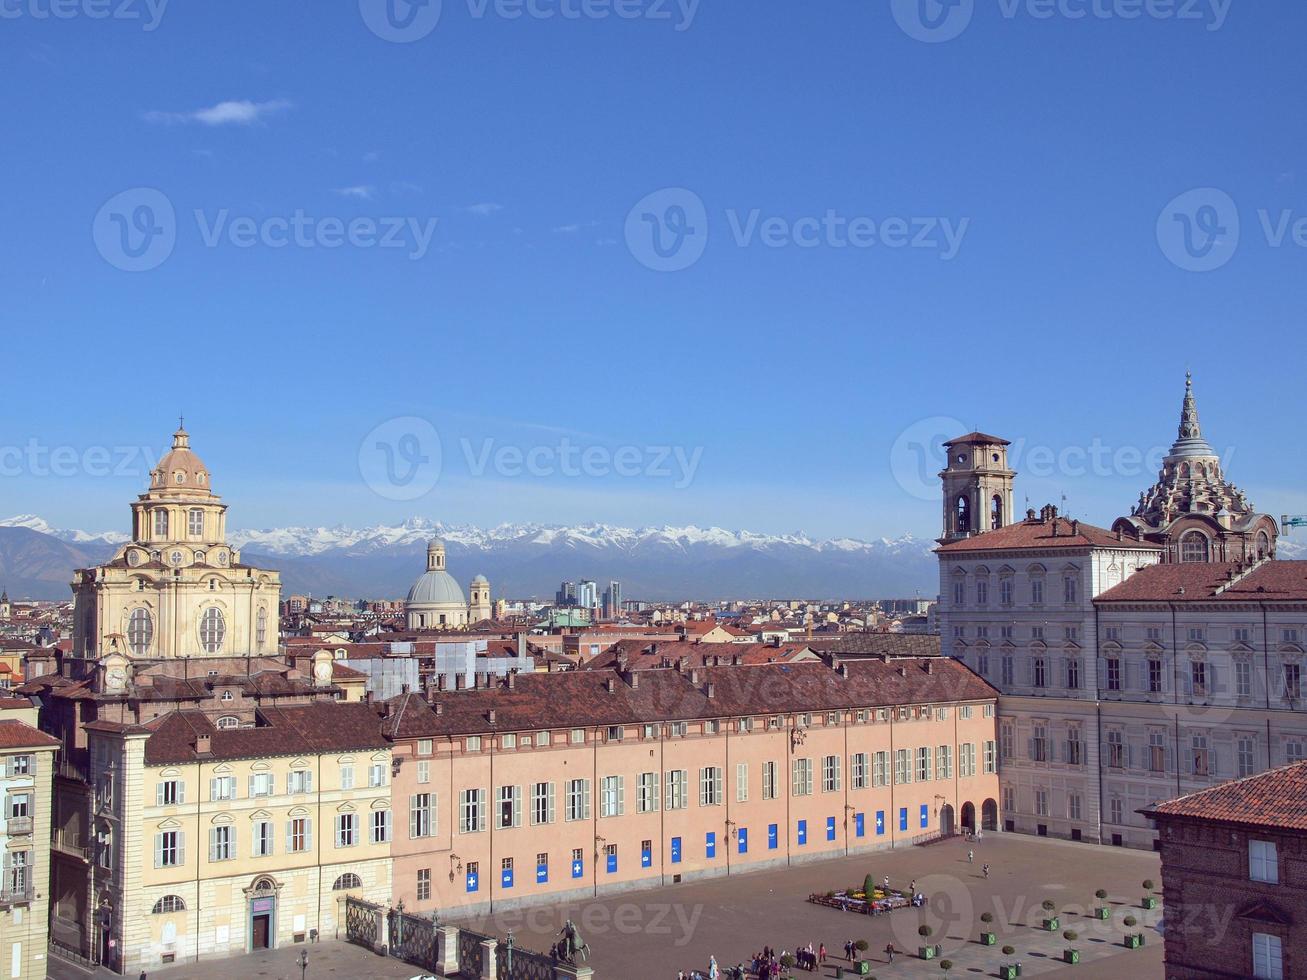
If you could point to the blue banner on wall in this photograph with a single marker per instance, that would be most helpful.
(773, 836)
(473, 881)
(742, 835)
(578, 868)
(880, 822)
(612, 864)
(925, 815)
(710, 844)
(506, 878)
(803, 832)
(830, 828)
(676, 850)
(860, 825)
(542, 874)
(903, 818)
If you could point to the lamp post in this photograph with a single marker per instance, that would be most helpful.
(303, 962)
(509, 943)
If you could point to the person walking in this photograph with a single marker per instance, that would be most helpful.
(889, 951)
(985, 869)
(971, 857)
(821, 955)
(848, 950)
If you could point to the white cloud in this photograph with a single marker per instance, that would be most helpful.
(237, 112)
(364, 192)
(483, 209)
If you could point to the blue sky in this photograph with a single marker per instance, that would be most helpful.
(520, 313)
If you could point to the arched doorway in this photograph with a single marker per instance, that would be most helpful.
(969, 817)
(989, 815)
(946, 819)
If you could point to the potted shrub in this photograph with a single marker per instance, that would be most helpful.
(1008, 950)
(926, 952)
(1070, 954)
(1129, 920)
(987, 938)
(1150, 900)
(1051, 922)
(1102, 911)
(946, 965)
(863, 967)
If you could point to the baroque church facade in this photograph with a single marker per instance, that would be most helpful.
(1134, 664)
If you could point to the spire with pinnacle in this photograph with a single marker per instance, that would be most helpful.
(1190, 441)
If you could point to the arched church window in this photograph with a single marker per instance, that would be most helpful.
(1263, 544)
(140, 631)
(228, 721)
(1194, 547)
(996, 513)
(161, 524)
(347, 881)
(213, 630)
(169, 903)
(963, 514)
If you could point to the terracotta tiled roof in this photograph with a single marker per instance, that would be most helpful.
(323, 726)
(980, 437)
(891, 644)
(16, 735)
(1060, 532)
(1213, 582)
(1276, 798)
(643, 655)
(587, 698)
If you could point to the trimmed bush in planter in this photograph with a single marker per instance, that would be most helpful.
(1102, 910)
(925, 952)
(1008, 950)
(1071, 954)
(1134, 940)
(1007, 972)
(1051, 922)
(1129, 921)
(987, 938)
(862, 945)
(1150, 901)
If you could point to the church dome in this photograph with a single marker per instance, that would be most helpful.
(180, 468)
(436, 588)
(481, 580)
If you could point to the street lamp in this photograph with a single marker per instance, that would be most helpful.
(509, 943)
(303, 962)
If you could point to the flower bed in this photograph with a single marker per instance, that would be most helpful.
(856, 901)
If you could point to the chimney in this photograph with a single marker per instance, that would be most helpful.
(694, 676)
(511, 680)
(632, 677)
(490, 716)
(405, 689)
(610, 685)
(202, 745)
(439, 707)
(712, 690)
(1075, 527)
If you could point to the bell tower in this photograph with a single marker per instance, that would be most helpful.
(977, 486)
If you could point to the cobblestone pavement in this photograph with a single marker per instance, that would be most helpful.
(649, 935)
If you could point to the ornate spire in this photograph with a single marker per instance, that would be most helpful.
(1190, 441)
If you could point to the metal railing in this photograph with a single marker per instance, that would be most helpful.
(69, 843)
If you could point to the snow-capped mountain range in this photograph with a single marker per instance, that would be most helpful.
(530, 559)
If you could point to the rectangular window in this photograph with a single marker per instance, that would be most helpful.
(1073, 806)
(347, 829)
(542, 804)
(801, 781)
(299, 835)
(425, 746)
(1008, 735)
(170, 792)
(1115, 750)
(424, 772)
(1246, 755)
(1039, 743)
(1156, 751)
(1198, 677)
(710, 786)
(902, 767)
(858, 770)
(1293, 751)
(1268, 956)
(222, 788)
(1069, 590)
(830, 774)
(222, 843)
(1201, 756)
(741, 782)
(1154, 676)
(346, 777)
(508, 741)
(1074, 746)
(169, 849)
(944, 762)
(646, 800)
(1036, 591)
(614, 733)
(880, 769)
(923, 763)
(421, 815)
(1005, 591)
(1073, 673)
(471, 811)
(769, 787)
(508, 807)
(612, 796)
(262, 838)
(299, 781)
(578, 800)
(577, 736)
(1292, 681)
(1243, 679)
(380, 827)
(982, 592)
(424, 884)
(1041, 802)
(1263, 862)
(377, 775)
(472, 743)
(1007, 671)
(261, 784)
(1113, 674)
(195, 523)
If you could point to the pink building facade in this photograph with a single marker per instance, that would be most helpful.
(548, 788)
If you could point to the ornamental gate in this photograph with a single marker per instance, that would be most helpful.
(363, 923)
(526, 965)
(412, 938)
